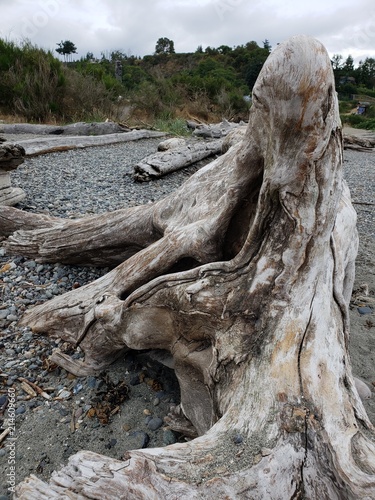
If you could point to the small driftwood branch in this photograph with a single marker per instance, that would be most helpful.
(4, 434)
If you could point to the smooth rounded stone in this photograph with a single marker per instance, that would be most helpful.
(31, 264)
(10, 352)
(112, 443)
(364, 310)
(138, 440)
(135, 380)
(20, 410)
(12, 317)
(91, 382)
(237, 439)
(169, 437)
(11, 363)
(155, 423)
(363, 390)
(4, 313)
(3, 400)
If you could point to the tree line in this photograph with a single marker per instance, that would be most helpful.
(208, 83)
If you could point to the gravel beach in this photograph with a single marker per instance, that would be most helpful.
(50, 427)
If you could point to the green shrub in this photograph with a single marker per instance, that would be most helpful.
(36, 85)
(174, 126)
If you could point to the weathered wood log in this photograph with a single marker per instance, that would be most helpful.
(11, 156)
(358, 143)
(215, 130)
(80, 128)
(39, 146)
(175, 158)
(247, 283)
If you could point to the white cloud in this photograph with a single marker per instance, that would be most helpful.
(135, 25)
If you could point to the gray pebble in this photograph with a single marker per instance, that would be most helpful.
(21, 409)
(364, 310)
(4, 313)
(138, 439)
(169, 437)
(155, 423)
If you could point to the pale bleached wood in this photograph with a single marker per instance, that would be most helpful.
(51, 144)
(175, 158)
(80, 128)
(258, 323)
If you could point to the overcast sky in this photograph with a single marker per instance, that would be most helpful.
(133, 26)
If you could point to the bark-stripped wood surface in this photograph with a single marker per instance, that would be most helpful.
(174, 158)
(50, 144)
(80, 128)
(244, 274)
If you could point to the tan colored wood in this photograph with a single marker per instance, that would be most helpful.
(244, 276)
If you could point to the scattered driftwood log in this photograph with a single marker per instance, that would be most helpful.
(358, 143)
(245, 276)
(174, 157)
(39, 146)
(10, 157)
(214, 130)
(80, 128)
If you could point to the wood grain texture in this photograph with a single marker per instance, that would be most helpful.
(245, 277)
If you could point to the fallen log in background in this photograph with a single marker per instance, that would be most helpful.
(175, 158)
(214, 130)
(358, 143)
(80, 128)
(39, 146)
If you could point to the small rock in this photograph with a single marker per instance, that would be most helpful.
(155, 423)
(64, 394)
(10, 364)
(364, 310)
(138, 439)
(237, 439)
(169, 437)
(362, 388)
(21, 409)
(4, 313)
(11, 317)
(135, 380)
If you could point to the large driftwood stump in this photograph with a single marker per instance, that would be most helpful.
(244, 275)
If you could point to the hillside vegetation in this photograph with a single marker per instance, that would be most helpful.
(36, 86)
(208, 85)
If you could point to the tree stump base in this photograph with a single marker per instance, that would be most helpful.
(244, 275)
